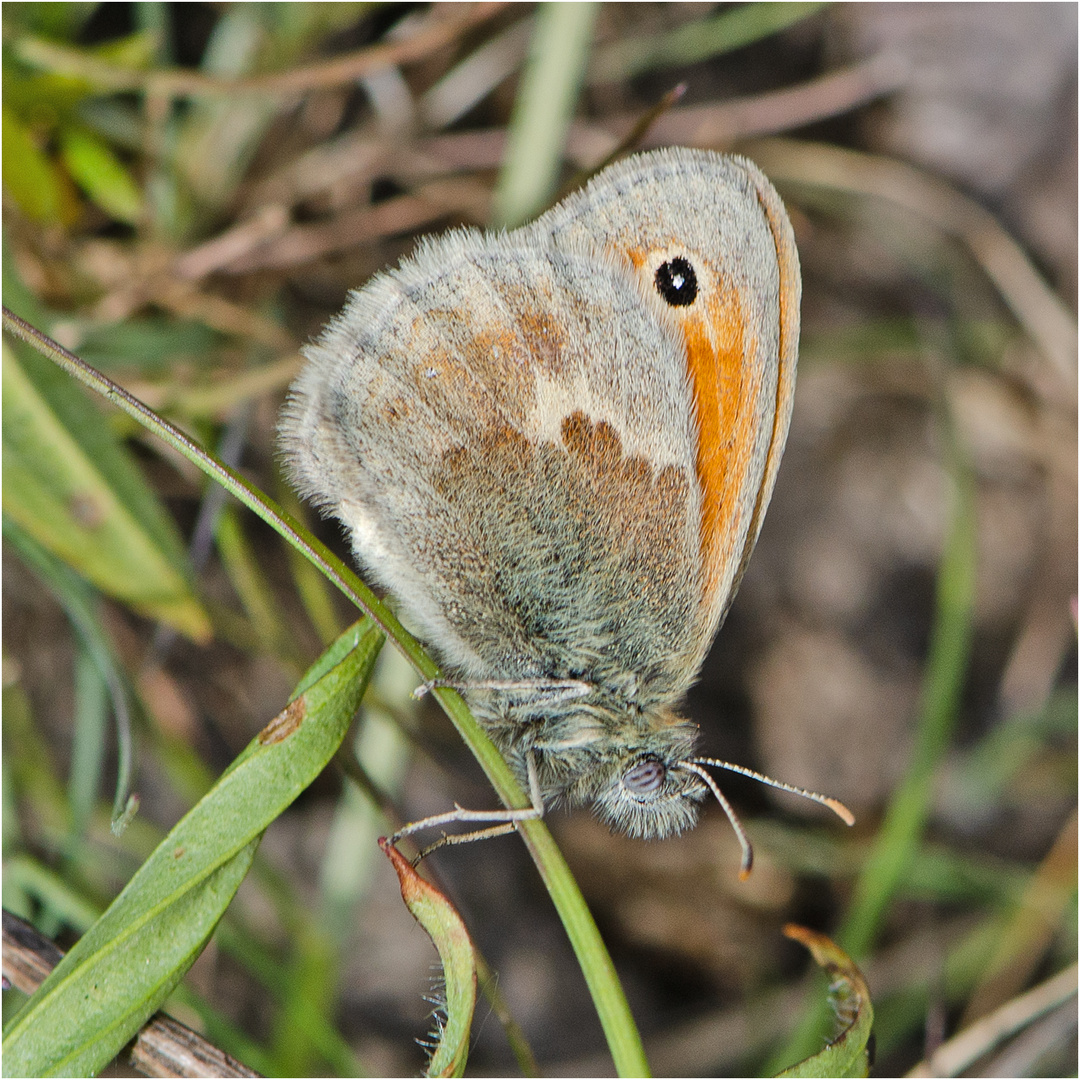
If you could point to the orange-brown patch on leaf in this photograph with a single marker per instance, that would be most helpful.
(87, 510)
(284, 724)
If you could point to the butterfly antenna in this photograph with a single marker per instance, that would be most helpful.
(747, 863)
(835, 805)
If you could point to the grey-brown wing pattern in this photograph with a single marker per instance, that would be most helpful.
(466, 417)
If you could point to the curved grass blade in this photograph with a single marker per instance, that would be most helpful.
(621, 1032)
(851, 1052)
(125, 966)
(79, 601)
(443, 924)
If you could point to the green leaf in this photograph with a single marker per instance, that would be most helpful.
(125, 966)
(82, 499)
(150, 344)
(30, 177)
(850, 1053)
(101, 174)
(443, 924)
(698, 40)
(90, 1012)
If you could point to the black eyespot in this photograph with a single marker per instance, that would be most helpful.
(676, 282)
(645, 777)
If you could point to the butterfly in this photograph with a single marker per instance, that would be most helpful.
(555, 446)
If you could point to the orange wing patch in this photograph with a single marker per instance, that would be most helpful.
(726, 388)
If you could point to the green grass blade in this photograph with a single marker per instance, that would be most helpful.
(252, 587)
(902, 830)
(61, 900)
(101, 174)
(57, 488)
(88, 744)
(698, 40)
(129, 961)
(223, 1033)
(277, 981)
(544, 108)
(622, 1035)
(79, 602)
(901, 833)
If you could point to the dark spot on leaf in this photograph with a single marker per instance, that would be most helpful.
(284, 724)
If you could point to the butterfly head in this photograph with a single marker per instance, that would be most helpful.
(636, 785)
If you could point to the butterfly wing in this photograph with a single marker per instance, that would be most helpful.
(740, 331)
(507, 431)
(557, 446)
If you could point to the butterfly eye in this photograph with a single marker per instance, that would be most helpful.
(645, 777)
(676, 282)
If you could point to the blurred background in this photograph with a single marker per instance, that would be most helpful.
(190, 190)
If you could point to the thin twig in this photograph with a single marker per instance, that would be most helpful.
(695, 125)
(445, 26)
(837, 92)
(963, 1050)
(163, 1047)
(403, 214)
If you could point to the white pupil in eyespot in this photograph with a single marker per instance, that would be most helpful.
(646, 777)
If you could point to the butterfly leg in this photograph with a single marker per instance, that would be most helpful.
(500, 822)
(552, 690)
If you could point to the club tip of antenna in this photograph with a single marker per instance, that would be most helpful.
(840, 810)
